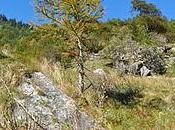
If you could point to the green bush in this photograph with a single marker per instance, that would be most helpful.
(140, 34)
(152, 23)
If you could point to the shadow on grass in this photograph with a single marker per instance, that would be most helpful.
(2, 56)
(126, 96)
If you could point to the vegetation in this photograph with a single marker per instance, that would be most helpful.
(73, 17)
(144, 8)
(118, 100)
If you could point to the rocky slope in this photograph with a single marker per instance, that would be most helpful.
(40, 105)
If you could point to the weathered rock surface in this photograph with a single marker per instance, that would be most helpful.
(135, 68)
(171, 60)
(144, 71)
(129, 57)
(94, 56)
(52, 109)
(100, 72)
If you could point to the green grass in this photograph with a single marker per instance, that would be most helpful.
(152, 106)
(171, 71)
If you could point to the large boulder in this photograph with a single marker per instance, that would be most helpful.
(49, 106)
(138, 68)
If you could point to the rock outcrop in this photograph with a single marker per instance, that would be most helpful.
(129, 57)
(49, 106)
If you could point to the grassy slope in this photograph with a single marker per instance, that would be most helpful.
(138, 104)
(153, 109)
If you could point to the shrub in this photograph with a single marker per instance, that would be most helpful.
(152, 23)
(140, 34)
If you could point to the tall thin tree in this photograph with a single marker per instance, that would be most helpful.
(73, 16)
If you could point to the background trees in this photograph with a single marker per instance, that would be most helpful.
(144, 8)
(149, 16)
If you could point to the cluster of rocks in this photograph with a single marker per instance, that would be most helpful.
(130, 57)
(145, 62)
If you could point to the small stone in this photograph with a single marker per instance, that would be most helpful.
(144, 71)
(100, 72)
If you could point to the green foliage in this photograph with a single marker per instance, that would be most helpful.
(170, 34)
(72, 15)
(140, 34)
(45, 42)
(144, 8)
(11, 31)
(98, 35)
(149, 16)
(152, 23)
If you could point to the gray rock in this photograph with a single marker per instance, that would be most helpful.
(50, 106)
(173, 49)
(135, 68)
(94, 56)
(100, 72)
(159, 38)
(121, 66)
(165, 49)
(125, 53)
(144, 71)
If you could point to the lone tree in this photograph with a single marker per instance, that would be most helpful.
(144, 8)
(73, 16)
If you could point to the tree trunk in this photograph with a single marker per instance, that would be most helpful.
(81, 83)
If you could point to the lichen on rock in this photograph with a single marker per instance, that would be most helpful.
(50, 106)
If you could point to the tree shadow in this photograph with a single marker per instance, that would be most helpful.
(126, 96)
(2, 56)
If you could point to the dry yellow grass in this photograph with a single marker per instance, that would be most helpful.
(151, 87)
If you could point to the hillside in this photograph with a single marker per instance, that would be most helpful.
(129, 70)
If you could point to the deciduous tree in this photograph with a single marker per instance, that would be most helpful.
(73, 16)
